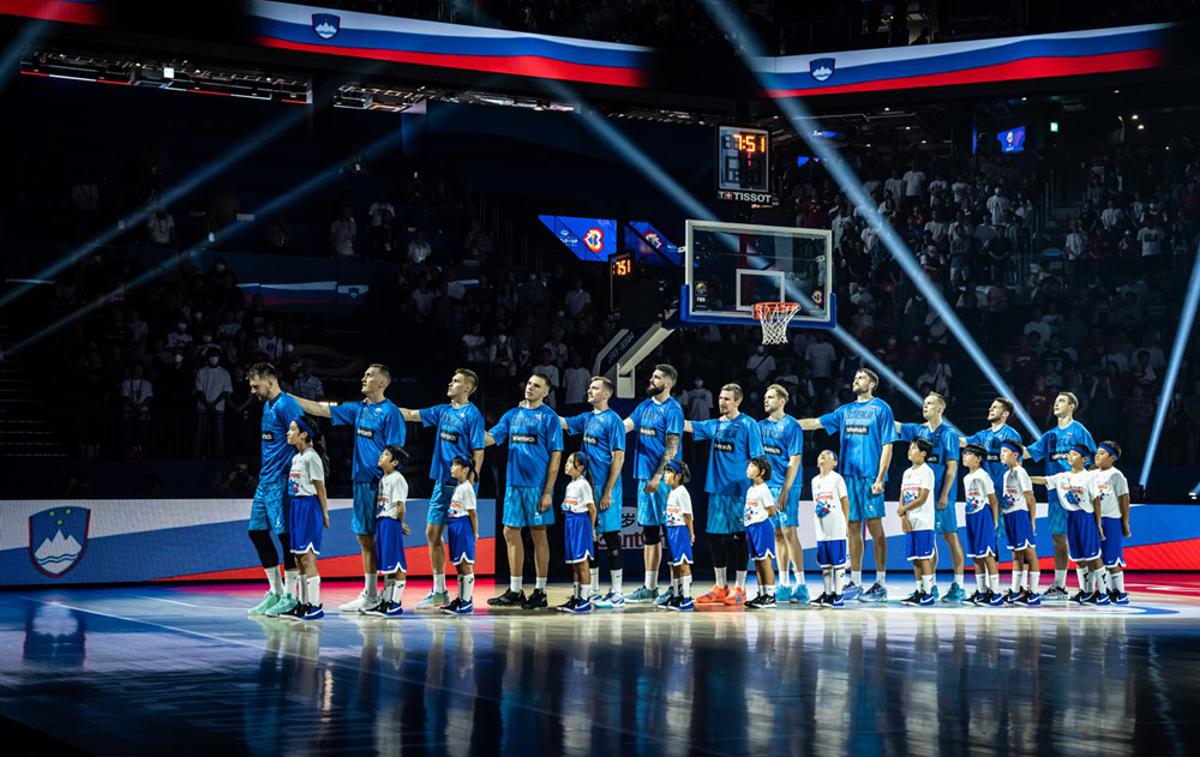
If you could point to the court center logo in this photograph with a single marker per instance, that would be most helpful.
(821, 69)
(326, 25)
(58, 538)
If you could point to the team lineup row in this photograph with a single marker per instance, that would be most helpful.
(753, 485)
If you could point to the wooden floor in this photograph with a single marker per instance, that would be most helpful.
(177, 670)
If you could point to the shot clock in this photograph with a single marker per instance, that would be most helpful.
(743, 163)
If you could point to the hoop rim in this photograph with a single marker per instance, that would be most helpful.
(764, 309)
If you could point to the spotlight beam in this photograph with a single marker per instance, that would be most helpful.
(1178, 350)
(30, 34)
(796, 113)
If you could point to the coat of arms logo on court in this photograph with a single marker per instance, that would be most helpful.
(326, 25)
(58, 538)
(821, 68)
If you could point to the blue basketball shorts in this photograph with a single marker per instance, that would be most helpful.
(863, 504)
(832, 554)
(521, 507)
(981, 535)
(652, 506)
(389, 546)
(461, 538)
(1112, 549)
(945, 521)
(439, 504)
(1083, 537)
(1019, 526)
(679, 542)
(267, 510)
(308, 525)
(726, 514)
(918, 545)
(362, 519)
(1056, 514)
(760, 540)
(609, 520)
(579, 543)
(789, 512)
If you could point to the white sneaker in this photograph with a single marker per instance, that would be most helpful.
(361, 601)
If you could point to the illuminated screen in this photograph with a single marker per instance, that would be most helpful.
(1012, 140)
(591, 239)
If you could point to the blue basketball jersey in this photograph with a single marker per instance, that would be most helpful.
(459, 433)
(652, 422)
(1054, 445)
(603, 434)
(864, 427)
(780, 440)
(734, 442)
(376, 425)
(277, 454)
(945, 448)
(531, 434)
(991, 441)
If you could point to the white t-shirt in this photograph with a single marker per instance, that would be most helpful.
(758, 499)
(463, 501)
(977, 485)
(579, 496)
(1152, 240)
(1016, 483)
(828, 515)
(307, 468)
(916, 479)
(914, 183)
(679, 504)
(1109, 485)
(1075, 490)
(213, 382)
(393, 492)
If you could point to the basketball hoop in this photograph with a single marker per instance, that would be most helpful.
(775, 317)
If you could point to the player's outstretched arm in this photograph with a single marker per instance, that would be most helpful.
(1039, 480)
(319, 409)
(809, 424)
(410, 416)
(687, 427)
(628, 425)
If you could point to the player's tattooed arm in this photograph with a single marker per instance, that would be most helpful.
(669, 450)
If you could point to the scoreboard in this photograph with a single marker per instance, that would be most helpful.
(743, 164)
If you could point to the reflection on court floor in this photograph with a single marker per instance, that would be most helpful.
(182, 669)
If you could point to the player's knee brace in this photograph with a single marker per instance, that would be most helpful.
(267, 556)
(651, 535)
(612, 542)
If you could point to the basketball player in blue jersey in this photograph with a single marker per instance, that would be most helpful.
(266, 512)
(604, 447)
(943, 460)
(377, 423)
(783, 441)
(533, 433)
(659, 425)
(991, 439)
(460, 433)
(867, 429)
(1053, 447)
(736, 440)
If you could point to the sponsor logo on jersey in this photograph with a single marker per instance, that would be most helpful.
(523, 439)
(856, 428)
(771, 449)
(268, 436)
(723, 446)
(366, 433)
(448, 436)
(646, 431)
(591, 441)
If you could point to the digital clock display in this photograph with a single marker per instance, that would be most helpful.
(621, 265)
(743, 159)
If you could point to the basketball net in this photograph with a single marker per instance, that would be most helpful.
(775, 317)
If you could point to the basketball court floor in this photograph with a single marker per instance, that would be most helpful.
(180, 670)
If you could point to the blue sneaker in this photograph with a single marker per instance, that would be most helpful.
(992, 599)
(1119, 598)
(268, 600)
(926, 600)
(796, 595)
(956, 594)
(610, 601)
(1100, 599)
(1028, 598)
(836, 600)
(459, 607)
(682, 604)
(642, 595)
(582, 607)
(306, 612)
(434, 599)
(851, 591)
(385, 610)
(934, 593)
(663, 598)
(783, 594)
(876, 593)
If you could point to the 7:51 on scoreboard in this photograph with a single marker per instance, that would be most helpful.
(743, 163)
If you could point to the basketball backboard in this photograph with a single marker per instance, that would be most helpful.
(728, 267)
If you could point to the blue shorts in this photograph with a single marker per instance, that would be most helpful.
(945, 521)
(726, 514)
(652, 506)
(918, 545)
(981, 534)
(389, 546)
(863, 504)
(831, 554)
(1112, 549)
(308, 525)
(362, 519)
(1056, 514)
(439, 504)
(760, 540)
(609, 520)
(521, 507)
(267, 510)
(461, 538)
(789, 512)
(1083, 538)
(679, 542)
(579, 543)
(1019, 526)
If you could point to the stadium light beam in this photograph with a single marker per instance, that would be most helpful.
(269, 209)
(797, 114)
(30, 34)
(1178, 350)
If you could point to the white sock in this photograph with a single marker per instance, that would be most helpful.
(994, 582)
(291, 582)
(721, 582)
(1081, 573)
(439, 583)
(1035, 581)
(783, 578)
(685, 586)
(1101, 579)
(651, 580)
(312, 591)
(389, 585)
(468, 587)
(741, 579)
(960, 579)
(769, 590)
(919, 582)
(515, 585)
(577, 590)
(616, 576)
(856, 577)
(595, 585)
(827, 579)
(927, 583)
(798, 571)
(1118, 581)
(301, 592)
(839, 575)
(398, 591)
(1016, 580)
(979, 580)
(1060, 578)
(881, 578)
(274, 579)
(539, 583)
(371, 584)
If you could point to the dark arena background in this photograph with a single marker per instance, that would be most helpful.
(833, 362)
